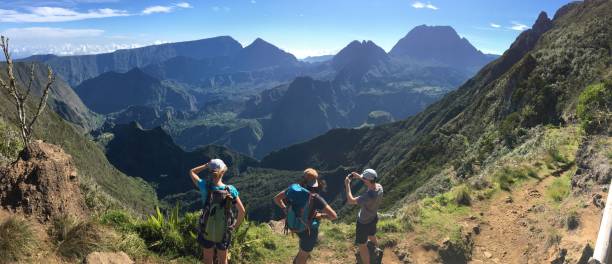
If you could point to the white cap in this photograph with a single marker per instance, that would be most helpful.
(369, 174)
(217, 165)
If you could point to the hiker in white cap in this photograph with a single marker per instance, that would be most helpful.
(218, 220)
(369, 201)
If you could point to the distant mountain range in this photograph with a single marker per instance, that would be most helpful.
(259, 98)
(316, 59)
(76, 69)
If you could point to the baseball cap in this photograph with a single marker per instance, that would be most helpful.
(217, 165)
(369, 174)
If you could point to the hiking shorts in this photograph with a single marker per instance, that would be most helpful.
(362, 231)
(223, 245)
(308, 240)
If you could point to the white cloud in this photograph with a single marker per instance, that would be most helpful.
(165, 9)
(219, 8)
(253, 2)
(420, 5)
(518, 26)
(157, 9)
(495, 25)
(184, 5)
(50, 33)
(302, 53)
(56, 14)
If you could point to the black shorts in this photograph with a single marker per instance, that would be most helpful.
(362, 231)
(207, 244)
(308, 240)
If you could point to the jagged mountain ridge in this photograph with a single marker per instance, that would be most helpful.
(76, 69)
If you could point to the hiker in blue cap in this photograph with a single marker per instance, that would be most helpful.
(365, 233)
(304, 208)
(218, 220)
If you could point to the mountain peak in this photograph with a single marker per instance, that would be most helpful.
(543, 23)
(260, 43)
(359, 52)
(439, 45)
(262, 54)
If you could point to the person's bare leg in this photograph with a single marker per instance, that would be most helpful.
(373, 240)
(301, 257)
(222, 256)
(364, 253)
(208, 254)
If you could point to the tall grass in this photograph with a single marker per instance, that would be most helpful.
(17, 240)
(75, 240)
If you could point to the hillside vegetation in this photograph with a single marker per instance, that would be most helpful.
(100, 177)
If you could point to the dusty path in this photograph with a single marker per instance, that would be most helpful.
(526, 229)
(326, 255)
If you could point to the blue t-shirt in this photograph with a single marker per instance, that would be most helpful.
(203, 185)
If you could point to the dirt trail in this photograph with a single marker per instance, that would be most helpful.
(328, 256)
(523, 228)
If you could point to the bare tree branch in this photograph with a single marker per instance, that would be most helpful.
(20, 99)
(43, 99)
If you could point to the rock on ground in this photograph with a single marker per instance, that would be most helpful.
(108, 258)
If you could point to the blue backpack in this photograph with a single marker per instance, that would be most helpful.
(300, 209)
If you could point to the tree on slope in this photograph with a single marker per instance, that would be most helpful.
(19, 97)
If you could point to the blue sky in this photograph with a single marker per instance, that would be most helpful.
(302, 27)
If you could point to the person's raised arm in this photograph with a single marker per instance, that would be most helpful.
(193, 173)
(278, 200)
(241, 212)
(347, 186)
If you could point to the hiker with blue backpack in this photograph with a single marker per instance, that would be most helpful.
(218, 219)
(304, 209)
(367, 218)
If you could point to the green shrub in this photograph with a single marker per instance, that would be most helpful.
(595, 106)
(461, 195)
(10, 143)
(163, 234)
(119, 220)
(16, 240)
(75, 240)
(510, 129)
(508, 176)
(390, 225)
(553, 237)
(132, 244)
(560, 188)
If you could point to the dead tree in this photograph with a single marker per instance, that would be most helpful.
(20, 97)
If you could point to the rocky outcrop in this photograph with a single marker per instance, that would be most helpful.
(593, 164)
(44, 186)
(108, 258)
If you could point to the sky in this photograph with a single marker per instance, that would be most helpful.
(302, 27)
